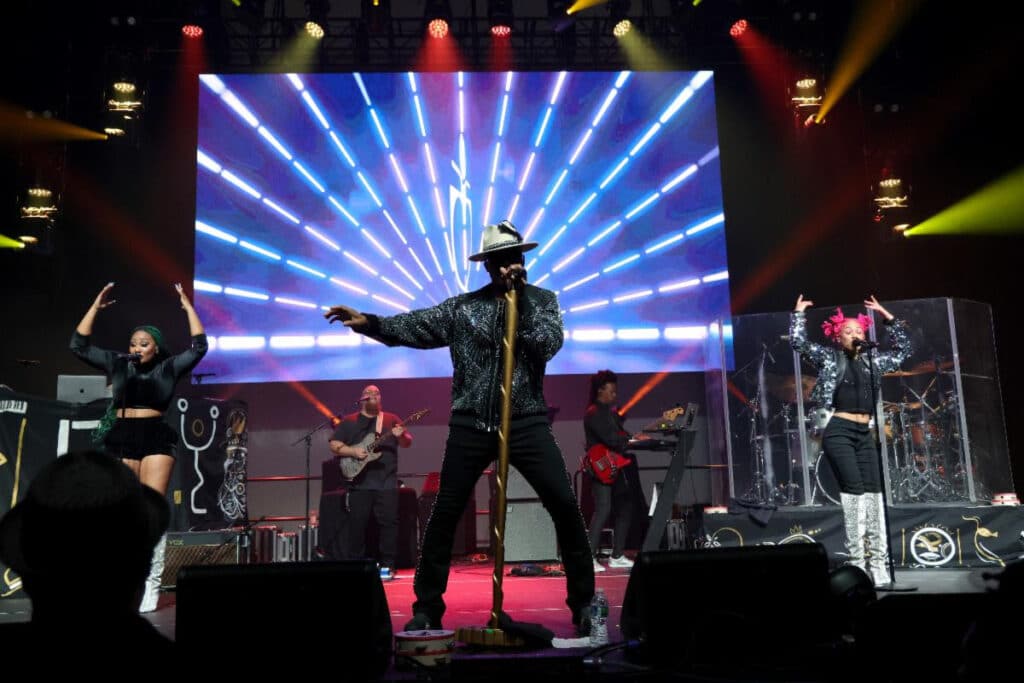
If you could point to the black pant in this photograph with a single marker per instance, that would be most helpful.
(534, 452)
(383, 504)
(851, 451)
(604, 496)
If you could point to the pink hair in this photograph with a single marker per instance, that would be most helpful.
(833, 327)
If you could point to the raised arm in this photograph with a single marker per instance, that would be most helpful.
(816, 354)
(899, 338)
(187, 360)
(80, 343)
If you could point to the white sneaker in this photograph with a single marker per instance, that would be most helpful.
(598, 567)
(621, 562)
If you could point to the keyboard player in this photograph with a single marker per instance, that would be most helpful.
(602, 425)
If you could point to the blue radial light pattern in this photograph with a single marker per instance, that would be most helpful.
(372, 189)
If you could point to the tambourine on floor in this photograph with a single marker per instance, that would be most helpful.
(427, 648)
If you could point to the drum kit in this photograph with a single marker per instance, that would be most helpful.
(921, 438)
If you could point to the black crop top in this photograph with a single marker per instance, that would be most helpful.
(853, 392)
(141, 386)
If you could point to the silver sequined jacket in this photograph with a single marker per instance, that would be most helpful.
(831, 361)
(472, 326)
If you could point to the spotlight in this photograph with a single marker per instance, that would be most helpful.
(124, 98)
(316, 14)
(115, 125)
(739, 28)
(500, 14)
(438, 28)
(314, 30)
(38, 205)
(890, 193)
(192, 31)
(622, 28)
(806, 96)
(437, 14)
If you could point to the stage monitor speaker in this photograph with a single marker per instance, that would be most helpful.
(332, 615)
(196, 548)
(529, 532)
(465, 542)
(518, 488)
(696, 609)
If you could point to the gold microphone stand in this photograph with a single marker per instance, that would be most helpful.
(492, 635)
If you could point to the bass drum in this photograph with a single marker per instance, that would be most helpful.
(826, 487)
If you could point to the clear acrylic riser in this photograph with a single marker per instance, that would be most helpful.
(943, 429)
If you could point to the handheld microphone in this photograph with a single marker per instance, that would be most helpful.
(130, 357)
(864, 344)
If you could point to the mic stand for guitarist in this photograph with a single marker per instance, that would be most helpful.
(308, 439)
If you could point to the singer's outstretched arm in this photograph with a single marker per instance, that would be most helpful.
(100, 359)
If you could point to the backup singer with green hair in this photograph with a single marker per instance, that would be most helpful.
(133, 428)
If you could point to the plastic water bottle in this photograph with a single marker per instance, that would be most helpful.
(599, 619)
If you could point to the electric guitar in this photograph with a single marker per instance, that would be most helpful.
(605, 464)
(351, 467)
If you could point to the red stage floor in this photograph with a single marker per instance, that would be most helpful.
(539, 599)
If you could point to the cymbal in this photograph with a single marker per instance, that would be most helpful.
(894, 407)
(783, 387)
(925, 368)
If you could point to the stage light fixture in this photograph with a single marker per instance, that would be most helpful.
(125, 98)
(314, 30)
(192, 31)
(891, 194)
(806, 98)
(438, 14)
(500, 14)
(317, 12)
(622, 28)
(38, 205)
(739, 28)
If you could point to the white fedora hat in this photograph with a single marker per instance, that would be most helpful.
(499, 238)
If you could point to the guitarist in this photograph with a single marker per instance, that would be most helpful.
(602, 425)
(375, 490)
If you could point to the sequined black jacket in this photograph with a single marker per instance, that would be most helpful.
(472, 326)
(830, 361)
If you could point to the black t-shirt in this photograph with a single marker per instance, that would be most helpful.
(381, 473)
(853, 393)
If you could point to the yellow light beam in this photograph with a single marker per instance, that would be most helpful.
(997, 208)
(8, 243)
(642, 54)
(581, 5)
(873, 26)
(298, 56)
(15, 126)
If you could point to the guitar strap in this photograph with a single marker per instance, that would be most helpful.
(380, 423)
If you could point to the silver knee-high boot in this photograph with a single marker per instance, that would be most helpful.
(855, 525)
(151, 596)
(878, 540)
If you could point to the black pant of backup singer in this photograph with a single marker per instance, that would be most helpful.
(850, 449)
(534, 452)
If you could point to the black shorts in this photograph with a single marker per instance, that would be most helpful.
(135, 438)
